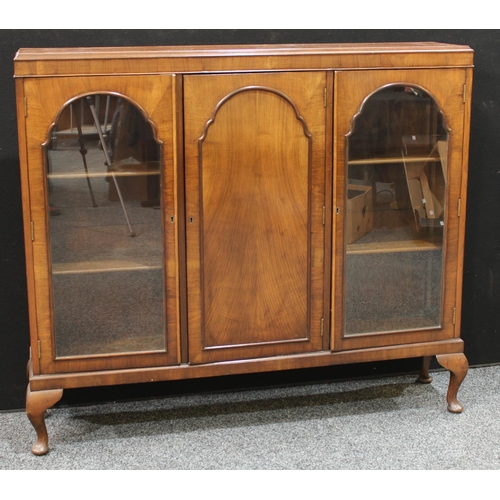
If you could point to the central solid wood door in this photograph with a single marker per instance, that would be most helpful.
(255, 197)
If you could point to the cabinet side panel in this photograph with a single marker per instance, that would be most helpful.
(463, 196)
(25, 193)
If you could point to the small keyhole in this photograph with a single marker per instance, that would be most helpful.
(191, 220)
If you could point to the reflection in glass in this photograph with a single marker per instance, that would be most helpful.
(396, 194)
(105, 229)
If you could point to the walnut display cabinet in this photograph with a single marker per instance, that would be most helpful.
(204, 211)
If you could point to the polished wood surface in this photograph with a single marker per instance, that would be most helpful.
(45, 99)
(195, 59)
(82, 53)
(254, 176)
(424, 377)
(37, 404)
(352, 89)
(463, 197)
(25, 192)
(458, 366)
(239, 367)
(255, 173)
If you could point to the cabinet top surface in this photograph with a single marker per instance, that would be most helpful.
(233, 50)
(195, 58)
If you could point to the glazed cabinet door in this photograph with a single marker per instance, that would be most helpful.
(101, 174)
(255, 192)
(399, 160)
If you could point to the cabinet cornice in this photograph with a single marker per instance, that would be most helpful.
(227, 58)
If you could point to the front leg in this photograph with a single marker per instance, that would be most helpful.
(458, 366)
(37, 403)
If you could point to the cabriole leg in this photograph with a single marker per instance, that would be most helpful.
(458, 366)
(424, 377)
(37, 403)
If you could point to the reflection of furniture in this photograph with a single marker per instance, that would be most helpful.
(134, 160)
(359, 205)
(254, 244)
(137, 181)
(426, 180)
(76, 121)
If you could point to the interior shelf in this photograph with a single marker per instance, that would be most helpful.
(103, 174)
(394, 241)
(86, 130)
(103, 266)
(361, 327)
(394, 160)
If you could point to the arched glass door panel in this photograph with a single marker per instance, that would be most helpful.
(104, 196)
(395, 203)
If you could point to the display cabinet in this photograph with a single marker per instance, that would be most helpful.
(204, 211)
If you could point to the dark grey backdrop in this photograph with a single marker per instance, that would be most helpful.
(481, 305)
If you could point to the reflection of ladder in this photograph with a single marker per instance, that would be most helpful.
(83, 152)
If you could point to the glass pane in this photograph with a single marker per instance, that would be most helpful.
(105, 229)
(396, 194)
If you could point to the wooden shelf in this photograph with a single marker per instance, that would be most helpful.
(359, 327)
(393, 241)
(103, 266)
(73, 131)
(83, 175)
(128, 167)
(394, 160)
(391, 246)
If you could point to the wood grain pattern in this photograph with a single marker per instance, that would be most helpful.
(195, 59)
(258, 164)
(235, 367)
(26, 200)
(234, 50)
(463, 198)
(255, 215)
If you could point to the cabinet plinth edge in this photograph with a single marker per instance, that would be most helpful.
(277, 363)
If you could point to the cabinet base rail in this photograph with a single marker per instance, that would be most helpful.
(44, 391)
